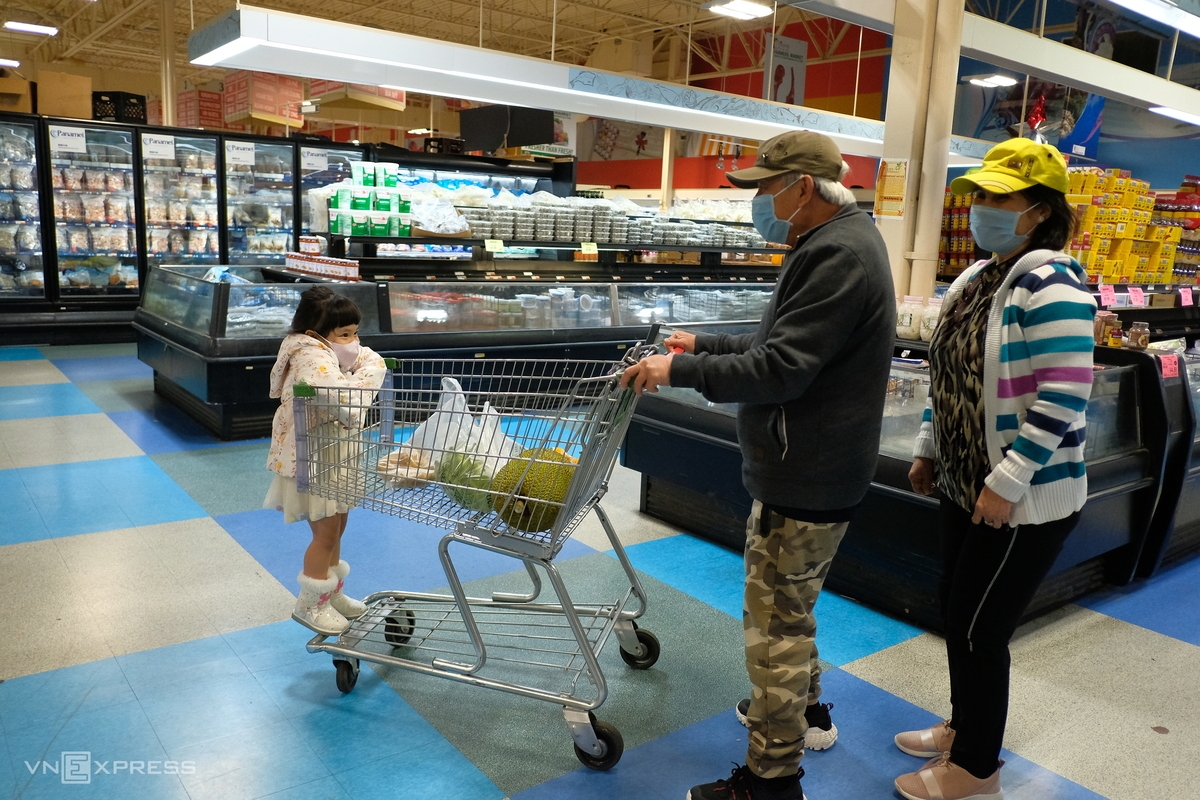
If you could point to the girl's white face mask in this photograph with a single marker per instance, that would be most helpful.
(347, 354)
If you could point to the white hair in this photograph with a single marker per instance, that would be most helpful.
(833, 192)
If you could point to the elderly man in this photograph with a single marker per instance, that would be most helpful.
(810, 383)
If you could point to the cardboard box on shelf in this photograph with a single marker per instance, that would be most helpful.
(60, 94)
(197, 108)
(1163, 299)
(16, 95)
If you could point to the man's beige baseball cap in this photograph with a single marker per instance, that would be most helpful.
(795, 151)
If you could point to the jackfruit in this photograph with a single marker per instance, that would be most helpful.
(467, 475)
(548, 478)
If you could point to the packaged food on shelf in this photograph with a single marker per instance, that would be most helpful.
(8, 239)
(118, 209)
(929, 318)
(158, 240)
(25, 206)
(908, 317)
(94, 180)
(72, 179)
(21, 176)
(70, 208)
(93, 208)
(33, 278)
(156, 212)
(56, 178)
(177, 211)
(114, 180)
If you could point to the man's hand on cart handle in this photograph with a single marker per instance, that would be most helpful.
(680, 342)
(648, 374)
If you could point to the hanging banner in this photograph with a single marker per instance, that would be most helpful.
(890, 187)
(783, 70)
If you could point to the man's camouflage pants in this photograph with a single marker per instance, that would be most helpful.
(786, 564)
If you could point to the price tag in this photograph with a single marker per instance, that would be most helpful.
(1170, 366)
(1137, 297)
(493, 245)
(1185, 296)
(1108, 295)
(589, 248)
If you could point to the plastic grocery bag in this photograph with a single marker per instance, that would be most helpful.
(450, 428)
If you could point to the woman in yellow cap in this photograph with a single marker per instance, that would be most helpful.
(1002, 435)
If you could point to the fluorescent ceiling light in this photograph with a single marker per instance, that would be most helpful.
(993, 81)
(1182, 116)
(738, 9)
(420, 131)
(8, 62)
(26, 27)
(1163, 11)
(389, 86)
(229, 50)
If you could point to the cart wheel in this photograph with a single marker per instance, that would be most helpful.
(399, 626)
(645, 661)
(347, 675)
(613, 744)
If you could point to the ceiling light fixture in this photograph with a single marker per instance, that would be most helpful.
(1163, 11)
(420, 131)
(1182, 116)
(27, 27)
(992, 81)
(10, 63)
(738, 9)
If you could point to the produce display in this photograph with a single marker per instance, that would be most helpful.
(20, 237)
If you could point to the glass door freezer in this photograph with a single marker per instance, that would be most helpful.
(21, 271)
(260, 201)
(179, 177)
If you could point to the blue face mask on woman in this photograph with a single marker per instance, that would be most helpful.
(995, 229)
(762, 212)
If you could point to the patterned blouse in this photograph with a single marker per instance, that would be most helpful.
(956, 374)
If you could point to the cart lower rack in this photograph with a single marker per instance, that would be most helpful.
(509, 456)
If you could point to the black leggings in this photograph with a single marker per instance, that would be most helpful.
(988, 578)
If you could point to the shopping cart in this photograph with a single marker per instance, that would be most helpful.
(513, 465)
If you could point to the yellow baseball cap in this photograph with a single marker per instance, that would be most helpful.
(1015, 165)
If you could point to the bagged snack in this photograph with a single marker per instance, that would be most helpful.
(21, 176)
(197, 242)
(114, 181)
(158, 241)
(214, 242)
(6, 176)
(26, 206)
(116, 210)
(177, 241)
(78, 241)
(70, 208)
(93, 208)
(8, 239)
(274, 216)
(72, 179)
(29, 239)
(93, 180)
(156, 212)
(177, 210)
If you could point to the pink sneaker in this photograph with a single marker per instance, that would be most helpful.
(942, 779)
(929, 743)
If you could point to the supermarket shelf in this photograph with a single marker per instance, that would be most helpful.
(259, 229)
(105, 192)
(13, 254)
(66, 162)
(181, 170)
(606, 246)
(171, 226)
(183, 255)
(19, 222)
(122, 225)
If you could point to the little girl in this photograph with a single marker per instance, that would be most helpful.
(321, 349)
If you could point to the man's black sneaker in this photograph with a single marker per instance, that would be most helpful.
(745, 785)
(822, 733)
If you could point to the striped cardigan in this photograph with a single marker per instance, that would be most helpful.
(1037, 377)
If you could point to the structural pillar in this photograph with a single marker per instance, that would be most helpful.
(918, 119)
(166, 15)
(668, 170)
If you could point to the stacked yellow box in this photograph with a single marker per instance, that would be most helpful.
(1117, 240)
(956, 250)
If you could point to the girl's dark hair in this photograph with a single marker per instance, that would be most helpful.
(322, 310)
(1059, 227)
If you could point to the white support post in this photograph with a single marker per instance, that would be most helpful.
(166, 23)
(668, 170)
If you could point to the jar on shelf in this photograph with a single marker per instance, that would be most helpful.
(1115, 337)
(1139, 336)
(929, 318)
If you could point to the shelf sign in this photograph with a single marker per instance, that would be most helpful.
(1108, 295)
(239, 154)
(1170, 366)
(589, 248)
(1185, 296)
(314, 159)
(493, 245)
(157, 145)
(67, 140)
(1137, 297)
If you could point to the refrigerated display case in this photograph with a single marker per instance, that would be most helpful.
(94, 194)
(22, 273)
(260, 200)
(321, 166)
(686, 449)
(180, 207)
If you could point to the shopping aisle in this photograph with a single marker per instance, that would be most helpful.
(147, 599)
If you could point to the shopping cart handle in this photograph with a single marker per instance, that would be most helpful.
(302, 389)
(392, 363)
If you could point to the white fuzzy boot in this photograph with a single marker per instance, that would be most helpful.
(348, 607)
(313, 609)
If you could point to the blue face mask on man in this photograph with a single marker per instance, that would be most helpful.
(762, 212)
(995, 229)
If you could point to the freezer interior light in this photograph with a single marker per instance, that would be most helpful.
(27, 27)
(738, 9)
(1182, 116)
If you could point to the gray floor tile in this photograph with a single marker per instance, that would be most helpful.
(700, 673)
(1087, 693)
(223, 480)
(130, 394)
(27, 373)
(89, 350)
(621, 504)
(40, 441)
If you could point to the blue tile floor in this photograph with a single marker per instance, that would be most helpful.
(184, 702)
